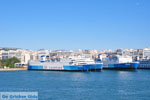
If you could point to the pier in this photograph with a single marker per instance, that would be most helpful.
(13, 69)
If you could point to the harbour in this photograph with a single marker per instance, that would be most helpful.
(75, 50)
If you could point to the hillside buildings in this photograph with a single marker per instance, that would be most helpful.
(26, 55)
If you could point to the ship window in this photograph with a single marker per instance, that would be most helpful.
(70, 62)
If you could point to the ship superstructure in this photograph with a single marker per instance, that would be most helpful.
(145, 63)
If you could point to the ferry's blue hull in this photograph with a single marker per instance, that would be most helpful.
(89, 67)
(133, 65)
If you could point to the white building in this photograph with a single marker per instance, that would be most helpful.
(146, 52)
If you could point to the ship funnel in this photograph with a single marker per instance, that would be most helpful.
(47, 57)
(100, 57)
(137, 58)
(43, 58)
(147, 57)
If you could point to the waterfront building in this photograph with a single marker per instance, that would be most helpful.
(5, 55)
(109, 52)
(64, 52)
(26, 55)
(140, 53)
(86, 53)
(119, 52)
(146, 52)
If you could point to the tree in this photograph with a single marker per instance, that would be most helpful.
(10, 62)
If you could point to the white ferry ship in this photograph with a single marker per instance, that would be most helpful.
(118, 62)
(65, 64)
(144, 64)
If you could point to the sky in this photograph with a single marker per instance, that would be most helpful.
(75, 24)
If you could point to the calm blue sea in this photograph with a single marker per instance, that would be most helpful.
(105, 85)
